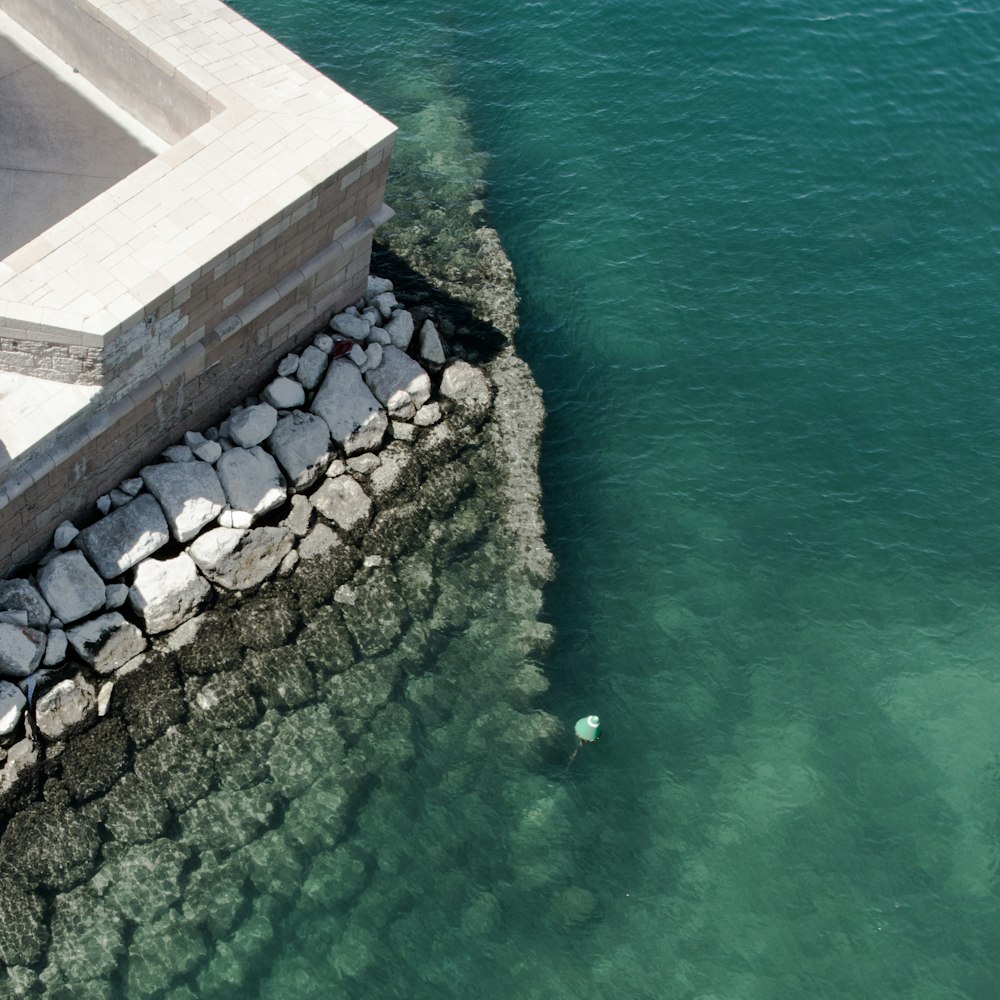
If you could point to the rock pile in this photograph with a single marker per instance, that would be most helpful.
(290, 475)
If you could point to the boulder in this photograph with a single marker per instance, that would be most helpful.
(428, 414)
(55, 647)
(399, 383)
(189, 493)
(64, 535)
(21, 650)
(344, 502)
(12, 702)
(465, 385)
(21, 595)
(238, 559)
(167, 592)
(356, 420)
(251, 480)
(209, 451)
(324, 342)
(379, 336)
(107, 642)
(66, 708)
(350, 326)
(431, 348)
(400, 329)
(312, 365)
(301, 444)
(250, 426)
(115, 595)
(121, 539)
(373, 356)
(285, 394)
(377, 286)
(71, 587)
(178, 453)
(385, 302)
(288, 365)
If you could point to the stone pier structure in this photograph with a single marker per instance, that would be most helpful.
(162, 298)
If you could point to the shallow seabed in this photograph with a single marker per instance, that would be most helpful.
(755, 246)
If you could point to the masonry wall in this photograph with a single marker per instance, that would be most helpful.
(95, 452)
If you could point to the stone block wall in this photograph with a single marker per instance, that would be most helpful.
(96, 451)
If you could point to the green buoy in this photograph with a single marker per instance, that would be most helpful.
(589, 729)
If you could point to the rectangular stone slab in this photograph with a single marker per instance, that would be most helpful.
(125, 536)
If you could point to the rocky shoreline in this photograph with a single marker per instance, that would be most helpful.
(164, 754)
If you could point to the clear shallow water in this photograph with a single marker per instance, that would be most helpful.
(753, 244)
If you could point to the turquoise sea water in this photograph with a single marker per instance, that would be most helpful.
(756, 248)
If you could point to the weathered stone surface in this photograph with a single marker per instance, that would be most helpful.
(250, 426)
(55, 647)
(21, 649)
(299, 517)
(466, 385)
(285, 394)
(431, 348)
(107, 642)
(373, 356)
(400, 329)
(377, 286)
(64, 535)
(324, 342)
(178, 453)
(364, 464)
(344, 502)
(385, 303)
(428, 414)
(319, 542)
(121, 539)
(288, 365)
(399, 383)
(21, 595)
(251, 480)
(301, 444)
(94, 760)
(167, 592)
(237, 559)
(356, 420)
(397, 472)
(115, 595)
(380, 337)
(312, 365)
(66, 708)
(208, 452)
(12, 703)
(350, 326)
(189, 493)
(71, 587)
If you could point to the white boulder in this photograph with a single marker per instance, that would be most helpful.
(12, 702)
(312, 365)
(107, 642)
(351, 326)
(466, 385)
(238, 559)
(301, 444)
(285, 394)
(344, 502)
(71, 587)
(66, 708)
(21, 595)
(167, 592)
(356, 420)
(431, 348)
(64, 535)
(121, 539)
(190, 494)
(400, 329)
(251, 480)
(250, 426)
(21, 649)
(399, 383)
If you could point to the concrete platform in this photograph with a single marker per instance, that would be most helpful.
(61, 141)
